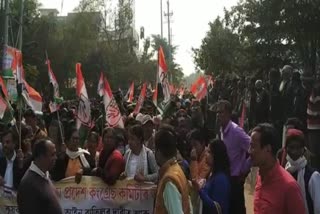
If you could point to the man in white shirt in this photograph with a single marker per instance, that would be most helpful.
(11, 164)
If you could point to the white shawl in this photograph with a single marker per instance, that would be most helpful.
(80, 153)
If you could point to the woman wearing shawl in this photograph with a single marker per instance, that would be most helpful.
(141, 164)
(72, 162)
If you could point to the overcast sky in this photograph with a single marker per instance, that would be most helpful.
(189, 21)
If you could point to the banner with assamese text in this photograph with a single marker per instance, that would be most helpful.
(93, 196)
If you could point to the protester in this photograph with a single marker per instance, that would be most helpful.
(111, 162)
(140, 161)
(298, 166)
(199, 167)
(148, 133)
(36, 193)
(11, 163)
(31, 120)
(74, 161)
(237, 143)
(215, 194)
(172, 193)
(276, 190)
(92, 146)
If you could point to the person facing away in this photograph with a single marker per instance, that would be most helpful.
(141, 164)
(199, 167)
(276, 190)
(237, 143)
(172, 195)
(72, 162)
(298, 166)
(11, 163)
(215, 193)
(36, 193)
(111, 162)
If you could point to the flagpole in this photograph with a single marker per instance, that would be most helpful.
(58, 115)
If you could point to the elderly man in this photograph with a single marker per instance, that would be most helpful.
(36, 193)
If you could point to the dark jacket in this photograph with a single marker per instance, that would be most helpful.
(59, 171)
(37, 195)
(17, 173)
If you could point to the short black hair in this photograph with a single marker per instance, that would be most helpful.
(166, 141)
(40, 148)
(268, 136)
(69, 132)
(137, 131)
(29, 113)
(226, 105)
(221, 162)
(199, 135)
(95, 135)
(12, 132)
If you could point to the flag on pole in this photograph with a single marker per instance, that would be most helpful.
(163, 75)
(56, 94)
(155, 96)
(130, 93)
(101, 85)
(19, 68)
(3, 107)
(9, 62)
(32, 98)
(141, 99)
(199, 88)
(84, 112)
(3, 88)
(113, 114)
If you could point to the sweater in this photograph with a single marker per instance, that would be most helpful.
(37, 195)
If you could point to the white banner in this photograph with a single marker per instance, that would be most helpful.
(93, 196)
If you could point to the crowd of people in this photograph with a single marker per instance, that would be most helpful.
(208, 147)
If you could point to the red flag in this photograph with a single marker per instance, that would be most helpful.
(3, 88)
(199, 88)
(101, 85)
(141, 99)
(113, 114)
(84, 112)
(163, 70)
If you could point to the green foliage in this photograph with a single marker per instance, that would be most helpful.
(264, 34)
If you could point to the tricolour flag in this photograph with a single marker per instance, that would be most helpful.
(19, 67)
(163, 75)
(3, 88)
(113, 114)
(3, 107)
(84, 112)
(56, 94)
(32, 97)
(101, 85)
(141, 99)
(130, 93)
(199, 88)
(9, 62)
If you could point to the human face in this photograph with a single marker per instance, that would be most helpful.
(197, 146)
(92, 145)
(210, 158)
(109, 141)
(135, 143)
(50, 158)
(73, 144)
(30, 121)
(147, 129)
(295, 149)
(8, 145)
(223, 116)
(258, 154)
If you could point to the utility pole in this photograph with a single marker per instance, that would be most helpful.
(169, 14)
(21, 25)
(161, 16)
